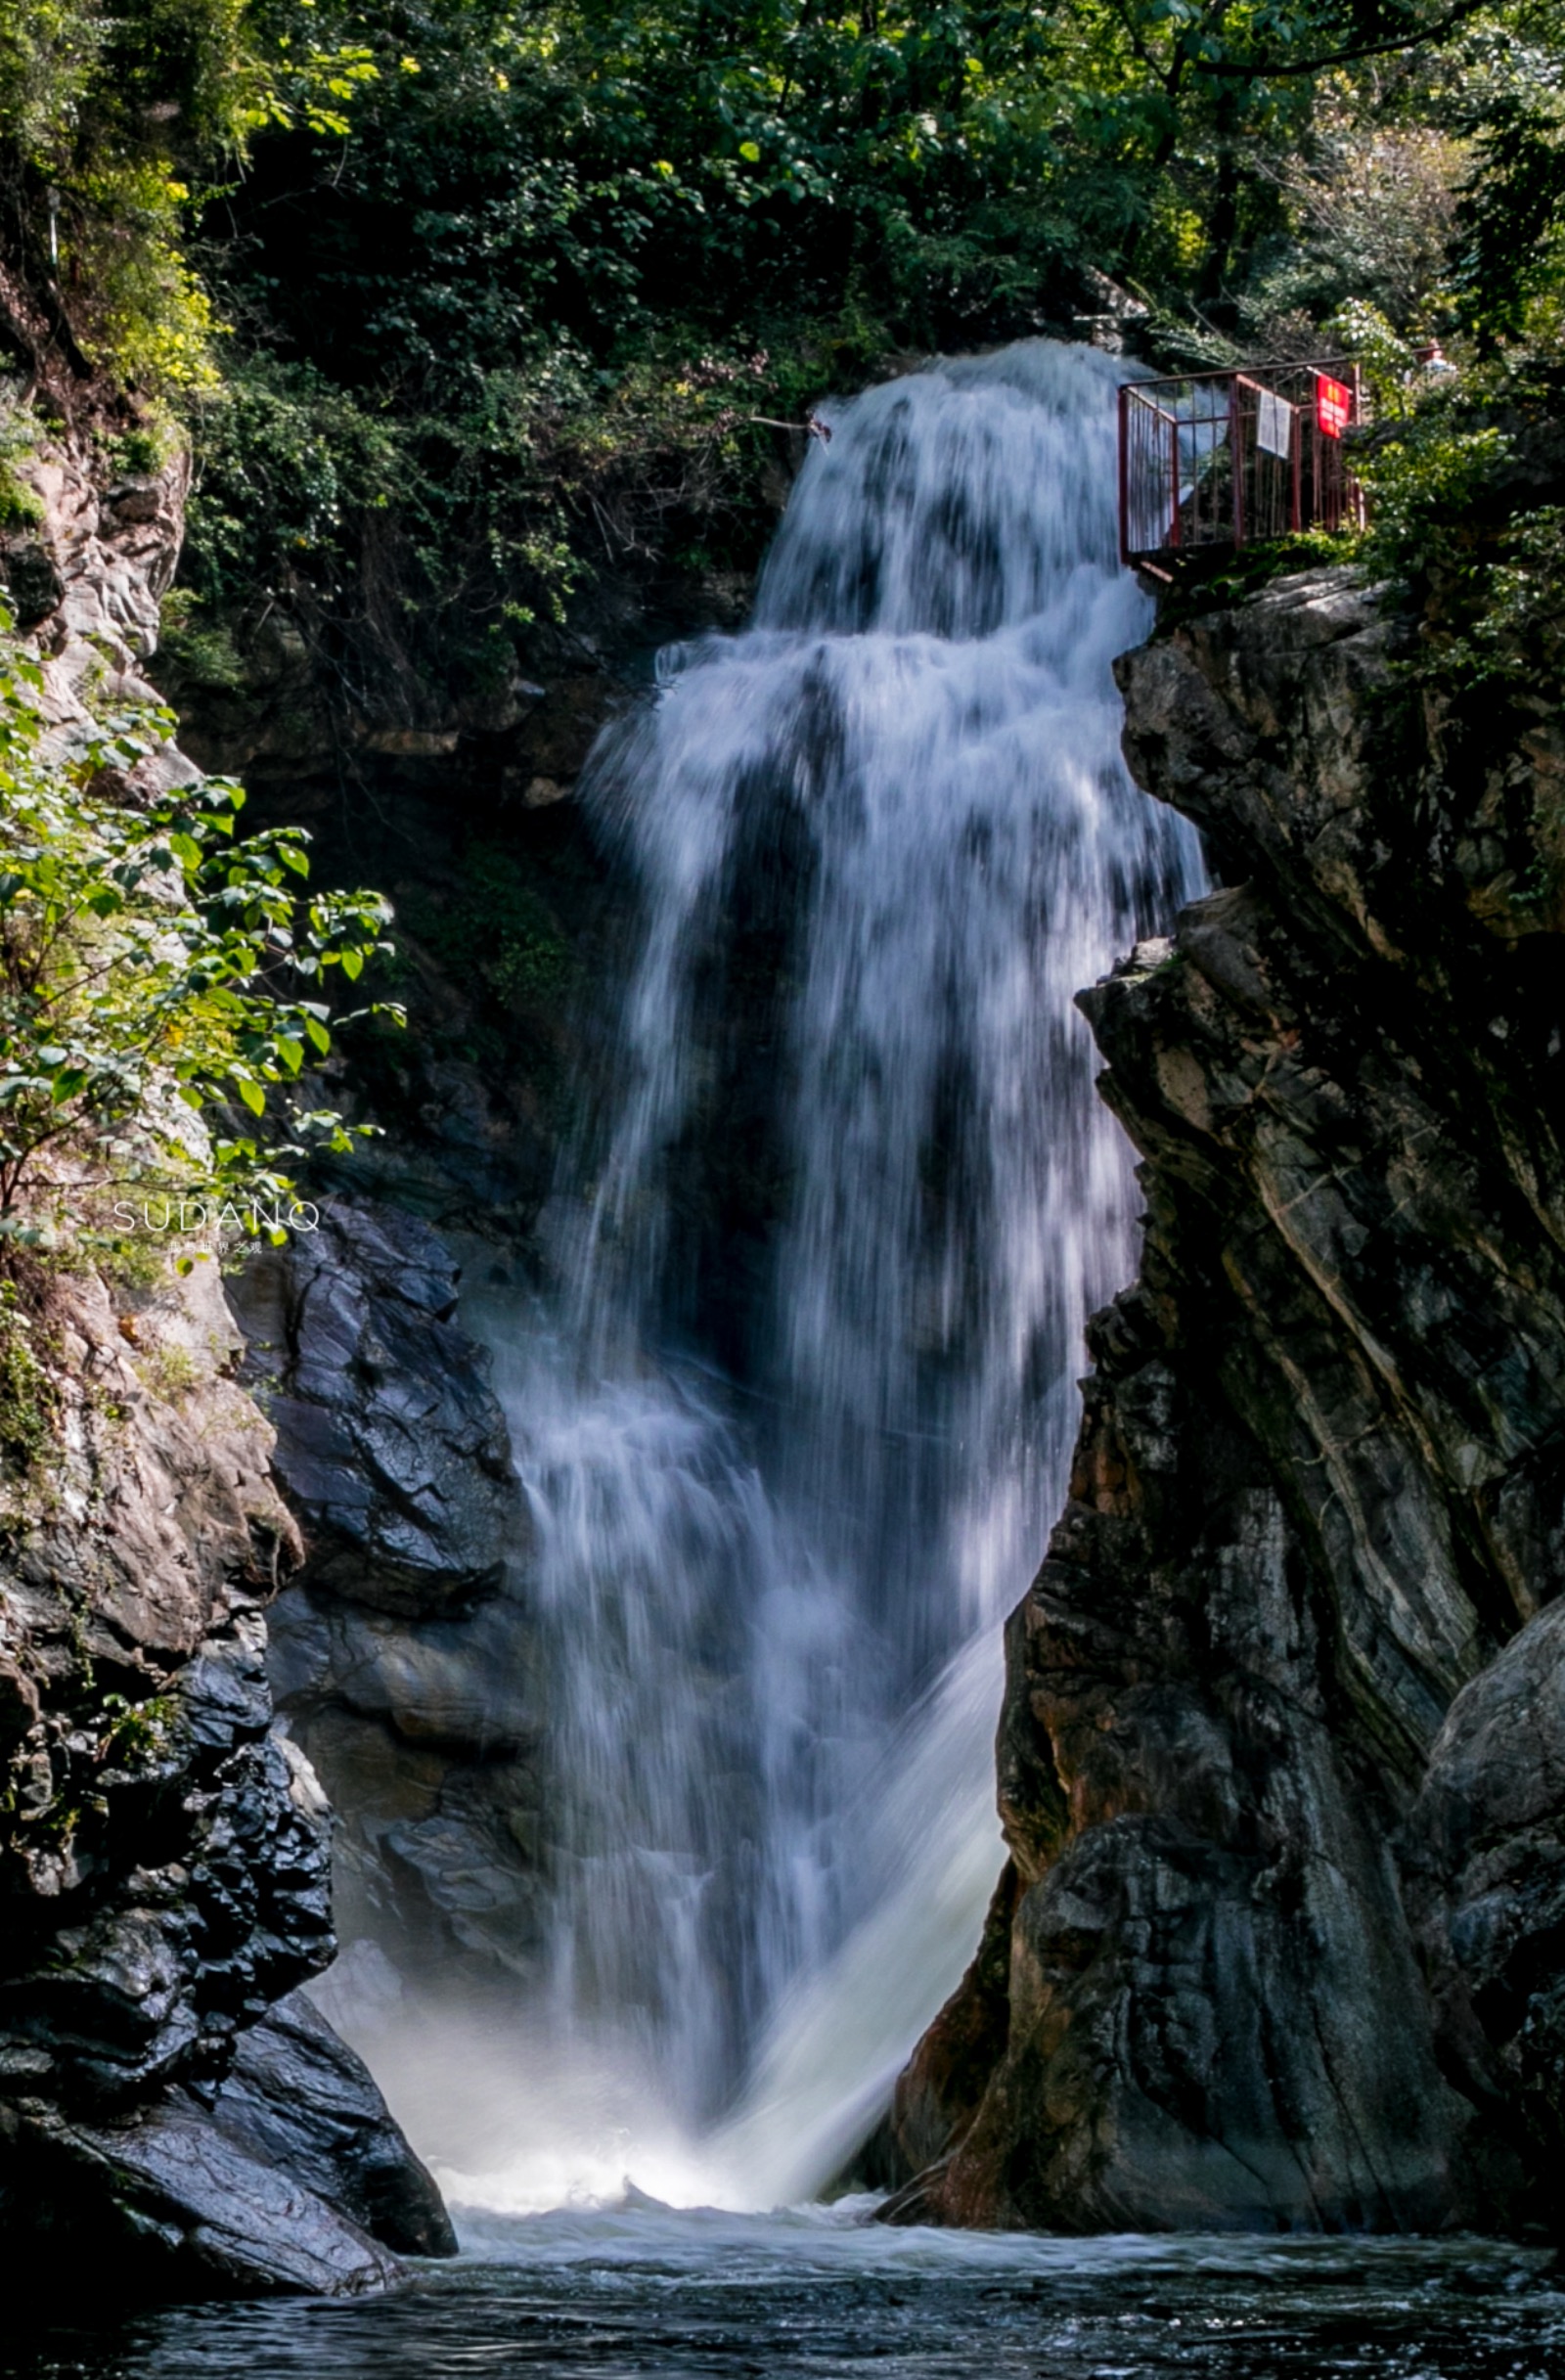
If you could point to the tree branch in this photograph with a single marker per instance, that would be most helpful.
(1273, 70)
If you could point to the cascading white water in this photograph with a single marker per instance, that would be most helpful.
(792, 1464)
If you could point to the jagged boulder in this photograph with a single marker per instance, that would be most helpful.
(390, 1443)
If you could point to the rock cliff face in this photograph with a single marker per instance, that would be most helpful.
(172, 2118)
(1278, 1943)
(401, 1652)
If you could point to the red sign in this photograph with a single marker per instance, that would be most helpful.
(1333, 406)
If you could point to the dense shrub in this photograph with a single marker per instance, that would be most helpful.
(160, 977)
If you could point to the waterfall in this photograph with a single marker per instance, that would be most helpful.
(796, 1423)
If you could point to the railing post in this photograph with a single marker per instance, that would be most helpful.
(1237, 460)
(1124, 476)
(1173, 479)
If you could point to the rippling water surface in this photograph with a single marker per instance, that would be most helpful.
(820, 2294)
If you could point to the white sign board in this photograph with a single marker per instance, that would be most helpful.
(1273, 430)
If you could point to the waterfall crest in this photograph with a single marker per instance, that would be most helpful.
(795, 1426)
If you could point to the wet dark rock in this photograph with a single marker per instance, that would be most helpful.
(391, 1446)
(427, 1734)
(166, 2205)
(402, 1656)
(1277, 1760)
(1486, 1862)
(165, 1862)
(304, 2103)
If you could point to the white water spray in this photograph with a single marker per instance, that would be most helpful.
(796, 1434)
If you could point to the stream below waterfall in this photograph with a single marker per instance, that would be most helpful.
(644, 2294)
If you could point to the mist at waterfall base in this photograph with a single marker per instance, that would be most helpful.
(796, 1421)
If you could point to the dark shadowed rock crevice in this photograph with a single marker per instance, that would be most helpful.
(1485, 1867)
(1285, 1949)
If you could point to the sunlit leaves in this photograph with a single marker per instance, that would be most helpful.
(149, 954)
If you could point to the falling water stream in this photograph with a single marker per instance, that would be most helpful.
(794, 1428)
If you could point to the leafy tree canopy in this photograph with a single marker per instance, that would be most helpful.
(462, 296)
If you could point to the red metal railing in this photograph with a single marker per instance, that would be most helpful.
(1230, 458)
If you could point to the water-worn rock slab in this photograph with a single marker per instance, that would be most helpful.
(170, 2205)
(300, 2101)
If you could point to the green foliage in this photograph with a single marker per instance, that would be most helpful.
(1510, 266)
(600, 170)
(1449, 530)
(28, 1403)
(19, 508)
(506, 332)
(1468, 525)
(113, 108)
(430, 538)
(497, 927)
(136, 1736)
(138, 453)
(157, 972)
(285, 458)
(510, 280)
(1366, 202)
(203, 657)
(1422, 478)
(1231, 581)
(169, 1371)
(1517, 631)
(1388, 362)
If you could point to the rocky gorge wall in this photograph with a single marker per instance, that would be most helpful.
(176, 2118)
(1280, 1941)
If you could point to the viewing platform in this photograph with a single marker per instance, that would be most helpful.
(1219, 461)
